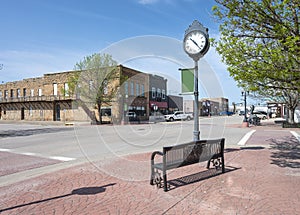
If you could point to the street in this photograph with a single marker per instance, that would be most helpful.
(46, 148)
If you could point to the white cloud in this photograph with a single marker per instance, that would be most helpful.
(147, 1)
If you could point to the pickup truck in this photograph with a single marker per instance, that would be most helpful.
(178, 115)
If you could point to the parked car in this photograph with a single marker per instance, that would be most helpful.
(131, 116)
(226, 113)
(260, 114)
(178, 115)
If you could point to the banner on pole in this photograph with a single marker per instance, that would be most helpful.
(187, 81)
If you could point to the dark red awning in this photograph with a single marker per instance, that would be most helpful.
(158, 104)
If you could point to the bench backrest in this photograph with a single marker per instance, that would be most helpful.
(192, 152)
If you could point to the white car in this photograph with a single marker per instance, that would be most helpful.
(260, 115)
(178, 115)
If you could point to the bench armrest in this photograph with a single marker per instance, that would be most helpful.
(156, 153)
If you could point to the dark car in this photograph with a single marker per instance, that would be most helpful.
(131, 116)
(226, 113)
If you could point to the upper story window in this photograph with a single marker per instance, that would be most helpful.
(0, 95)
(91, 85)
(24, 92)
(131, 88)
(163, 94)
(40, 93)
(66, 89)
(126, 88)
(18, 93)
(137, 89)
(105, 87)
(153, 92)
(55, 89)
(158, 93)
(142, 90)
(11, 93)
(32, 92)
(5, 94)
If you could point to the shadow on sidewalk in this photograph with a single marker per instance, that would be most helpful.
(80, 191)
(29, 132)
(227, 150)
(285, 152)
(193, 178)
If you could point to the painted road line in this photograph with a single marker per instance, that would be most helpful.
(243, 141)
(60, 158)
(5, 150)
(296, 135)
(28, 153)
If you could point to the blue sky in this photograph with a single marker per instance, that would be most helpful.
(47, 36)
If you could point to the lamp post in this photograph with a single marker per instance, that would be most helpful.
(196, 45)
(245, 121)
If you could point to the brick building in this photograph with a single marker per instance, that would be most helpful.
(157, 94)
(51, 97)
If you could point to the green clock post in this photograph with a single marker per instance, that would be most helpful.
(196, 45)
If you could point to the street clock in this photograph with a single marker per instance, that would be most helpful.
(196, 40)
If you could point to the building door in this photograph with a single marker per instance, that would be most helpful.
(22, 113)
(57, 112)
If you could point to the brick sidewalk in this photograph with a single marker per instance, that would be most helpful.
(262, 177)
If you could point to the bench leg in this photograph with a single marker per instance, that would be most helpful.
(208, 164)
(165, 181)
(223, 164)
(152, 176)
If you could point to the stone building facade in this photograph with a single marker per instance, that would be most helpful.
(43, 98)
(52, 97)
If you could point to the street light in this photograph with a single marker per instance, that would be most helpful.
(245, 121)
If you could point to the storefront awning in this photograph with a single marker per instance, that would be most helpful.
(158, 104)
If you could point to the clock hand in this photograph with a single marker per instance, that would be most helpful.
(195, 43)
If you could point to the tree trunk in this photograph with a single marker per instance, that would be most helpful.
(291, 115)
(99, 112)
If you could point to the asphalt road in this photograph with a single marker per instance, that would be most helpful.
(28, 150)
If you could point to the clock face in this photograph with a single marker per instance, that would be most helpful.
(194, 42)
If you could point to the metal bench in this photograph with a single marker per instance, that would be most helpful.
(186, 154)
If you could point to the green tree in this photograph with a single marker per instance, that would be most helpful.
(94, 82)
(260, 43)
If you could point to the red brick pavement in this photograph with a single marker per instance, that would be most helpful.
(262, 177)
(21, 162)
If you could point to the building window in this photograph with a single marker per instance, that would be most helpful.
(40, 93)
(137, 89)
(163, 94)
(153, 92)
(55, 89)
(32, 92)
(105, 88)
(24, 92)
(0, 95)
(66, 86)
(11, 93)
(158, 93)
(91, 85)
(142, 90)
(126, 88)
(131, 88)
(18, 93)
(5, 94)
